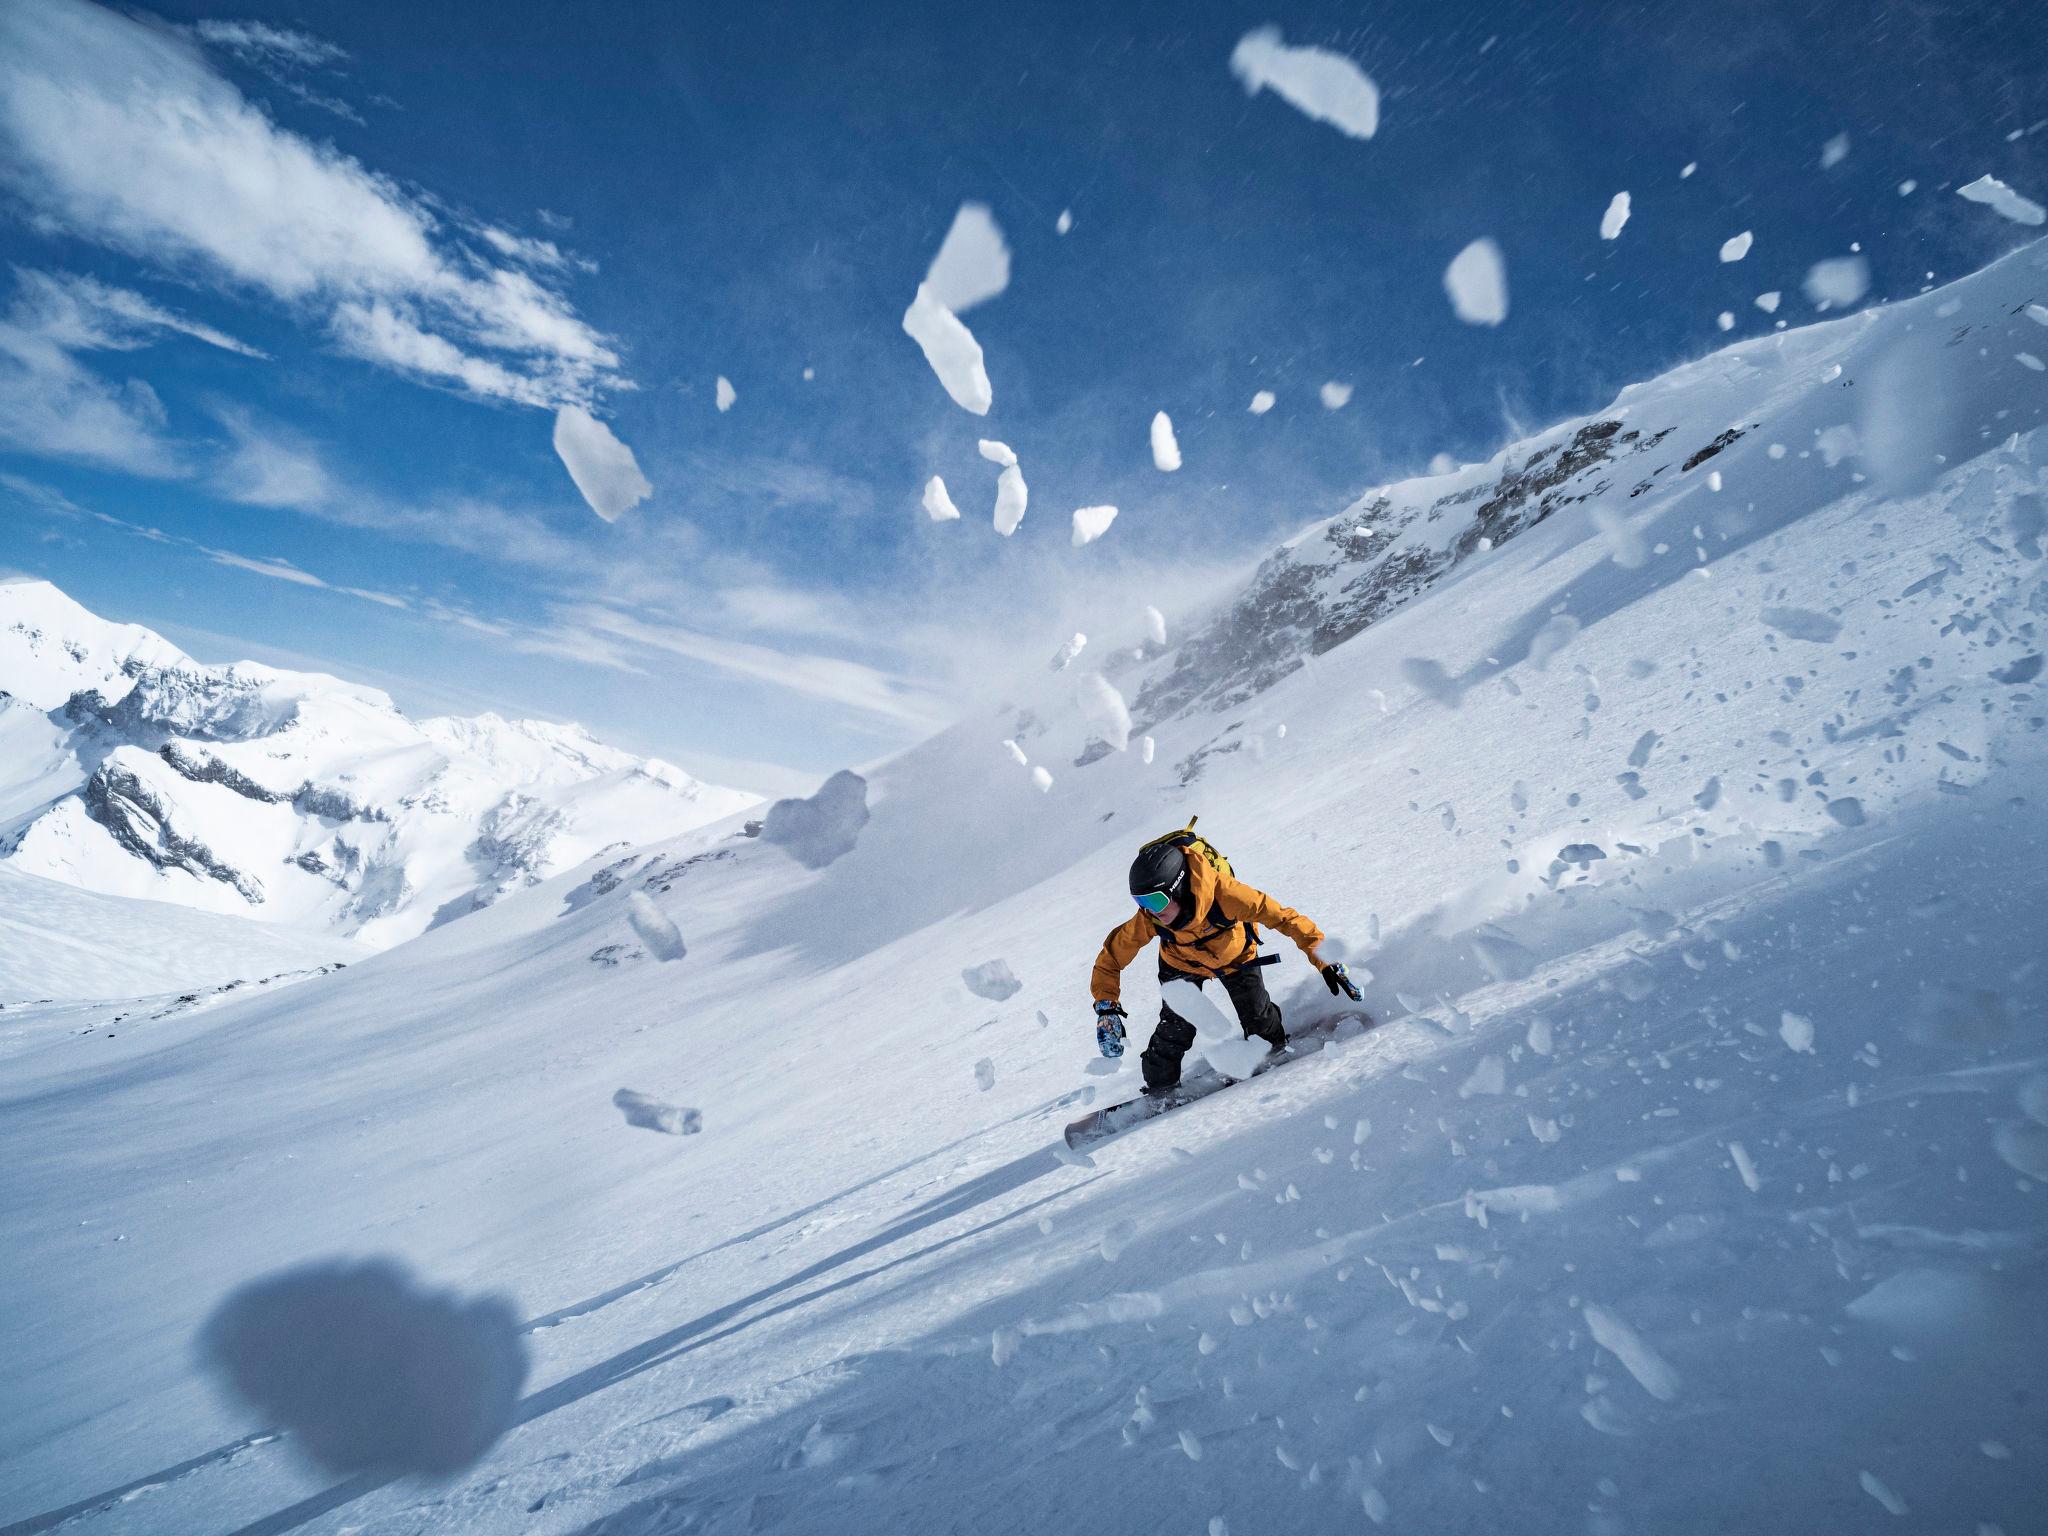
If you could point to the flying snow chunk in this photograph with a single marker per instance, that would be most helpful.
(995, 452)
(1558, 631)
(1155, 625)
(726, 393)
(1146, 747)
(1042, 779)
(1768, 302)
(1065, 221)
(1105, 707)
(992, 979)
(1615, 217)
(1653, 1373)
(1335, 396)
(1016, 754)
(1999, 198)
(1012, 494)
(1165, 446)
(1735, 247)
(985, 1074)
(1316, 82)
(603, 468)
(664, 940)
(1725, 320)
(820, 829)
(1063, 658)
(1091, 523)
(1442, 464)
(1477, 281)
(938, 503)
(652, 1114)
(973, 264)
(952, 351)
(1837, 281)
(1834, 152)
(1796, 1030)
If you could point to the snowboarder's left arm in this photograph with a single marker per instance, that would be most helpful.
(1245, 904)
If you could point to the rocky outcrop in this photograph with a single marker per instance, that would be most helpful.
(136, 817)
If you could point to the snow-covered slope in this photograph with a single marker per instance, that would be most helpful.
(128, 769)
(1693, 1180)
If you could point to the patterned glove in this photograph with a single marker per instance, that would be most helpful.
(1109, 1028)
(1337, 979)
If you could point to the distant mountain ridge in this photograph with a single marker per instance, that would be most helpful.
(129, 769)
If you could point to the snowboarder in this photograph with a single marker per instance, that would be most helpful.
(1207, 922)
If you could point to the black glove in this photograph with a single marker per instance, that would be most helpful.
(1337, 979)
(1109, 1028)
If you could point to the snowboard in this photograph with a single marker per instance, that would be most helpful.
(1102, 1124)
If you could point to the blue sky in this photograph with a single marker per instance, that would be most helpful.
(297, 290)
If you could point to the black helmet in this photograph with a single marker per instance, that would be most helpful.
(1159, 868)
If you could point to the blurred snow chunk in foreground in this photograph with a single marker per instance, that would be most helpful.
(369, 1371)
(1837, 281)
(664, 940)
(1012, 496)
(1316, 82)
(973, 264)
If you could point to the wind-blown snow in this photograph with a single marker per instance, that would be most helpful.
(2002, 199)
(1091, 523)
(952, 351)
(1102, 704)
(1320, 84)
(1615, 217)
(937, 504)
(603, 468)
(1477, 281)
(1165, 446)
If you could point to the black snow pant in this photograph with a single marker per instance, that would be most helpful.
(1256, 1011)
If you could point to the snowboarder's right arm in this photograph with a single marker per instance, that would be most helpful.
(1124, 944)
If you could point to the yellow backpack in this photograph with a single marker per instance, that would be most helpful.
(1191, 842)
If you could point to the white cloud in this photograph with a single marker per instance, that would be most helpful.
(52, 405)
(82, 314)
(119, 131)
(1323, 85)
(278, 570)
(263, 470)
(256, 40)
(603, 468)
(828, 678)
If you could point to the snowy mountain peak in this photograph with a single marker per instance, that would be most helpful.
(129, 769)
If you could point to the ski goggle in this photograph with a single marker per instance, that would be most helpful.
(1155, 902)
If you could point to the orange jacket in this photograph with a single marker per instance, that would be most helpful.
(1220, 935)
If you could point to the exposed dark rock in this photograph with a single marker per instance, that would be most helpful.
(137, 819)
(211, 770)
